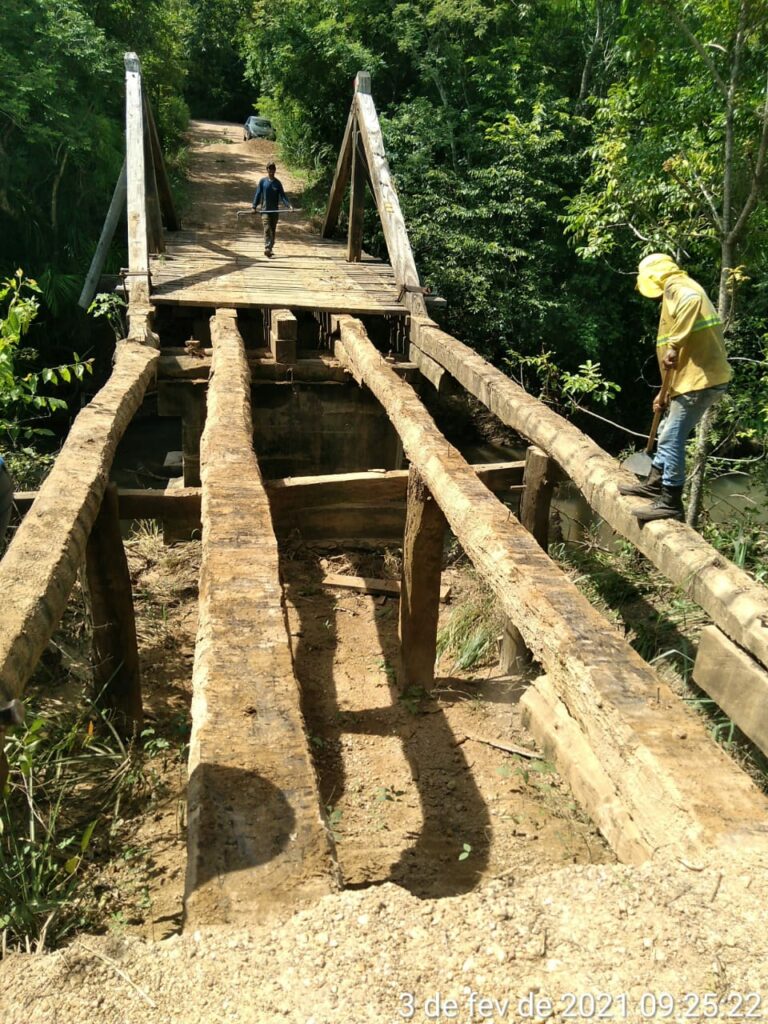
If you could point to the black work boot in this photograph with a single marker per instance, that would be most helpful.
(668, 506)
(648, 488)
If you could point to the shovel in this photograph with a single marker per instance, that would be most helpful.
(640, 462)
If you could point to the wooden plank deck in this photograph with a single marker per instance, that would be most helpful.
(218, 259)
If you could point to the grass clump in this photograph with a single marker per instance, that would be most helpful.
(70, 779)
(471, 634)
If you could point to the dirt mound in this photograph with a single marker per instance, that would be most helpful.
(378, 954)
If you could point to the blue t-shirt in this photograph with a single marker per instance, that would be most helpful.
(269, 193)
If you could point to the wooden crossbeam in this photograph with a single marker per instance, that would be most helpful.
(682, 793)
(733, 600)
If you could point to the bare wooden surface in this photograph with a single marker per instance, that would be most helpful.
(283, 332)
(41, 564)
(116, 674)
(735, 602)
(736, 682)
(256, 837)
(681, 790)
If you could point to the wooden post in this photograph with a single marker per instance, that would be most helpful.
(192, 423)
(170, 219)
(155, 242)
(283, 335)
(138, 251)
(513, 652)
(340, 178)
(538, 483)
(116, 677)
(114, 213)
(420, 583)
(356, 201)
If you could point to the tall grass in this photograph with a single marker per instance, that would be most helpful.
(70, 775)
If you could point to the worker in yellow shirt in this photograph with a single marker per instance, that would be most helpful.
(690, 345)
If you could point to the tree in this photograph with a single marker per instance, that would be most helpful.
(681, 150)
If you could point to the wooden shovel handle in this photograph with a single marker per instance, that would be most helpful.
(665, 386)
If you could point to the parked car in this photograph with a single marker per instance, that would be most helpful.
(258, 128)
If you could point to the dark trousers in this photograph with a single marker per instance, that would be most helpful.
(269, 220)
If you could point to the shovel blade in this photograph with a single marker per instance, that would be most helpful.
(639, 463)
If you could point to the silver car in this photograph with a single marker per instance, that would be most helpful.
(258, 128)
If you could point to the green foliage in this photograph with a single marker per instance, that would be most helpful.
(66, 786)
(111, 307)
(22, 404)
(472, 630)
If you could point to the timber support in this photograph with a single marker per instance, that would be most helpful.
(420, 583)
(116, 674)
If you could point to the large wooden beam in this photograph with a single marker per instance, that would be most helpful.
(683, 793)
(735, 682)
(256, 836)
(138, 249)
(116, 674)
(387, 202)
(41, 564)
(734, 601)
(420, 583)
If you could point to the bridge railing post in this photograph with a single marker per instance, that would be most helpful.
(138, 248)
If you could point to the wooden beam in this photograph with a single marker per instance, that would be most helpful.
(315, 370)
(256, 837)
(188, 401)
(387, 202)
(684, 794)
(736, 683)
(363, 491)
(43, 559)
(115, 211)
(420, 583)
(283, 334)
(548, 720)
(538, 484)
(155, 240)
(167, 206)
(138, 250)
(116, 675)
(428, 368)
(734, 601)
(340, 178)
(356, 202)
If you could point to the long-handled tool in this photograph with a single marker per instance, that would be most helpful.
(283, 209)
(640, 462)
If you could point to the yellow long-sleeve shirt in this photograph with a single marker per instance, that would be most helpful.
(689, 323)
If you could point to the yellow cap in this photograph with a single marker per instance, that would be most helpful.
(653, 273)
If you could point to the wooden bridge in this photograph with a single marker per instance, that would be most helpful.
(324, 312)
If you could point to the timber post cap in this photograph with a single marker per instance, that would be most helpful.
(12, 713)
(653, 272)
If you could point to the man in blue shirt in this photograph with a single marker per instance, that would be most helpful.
(269, 195)
(6, 500)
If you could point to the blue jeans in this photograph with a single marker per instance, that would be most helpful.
(684, 413)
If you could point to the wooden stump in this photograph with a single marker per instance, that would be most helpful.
(538, 483)
(420, 585)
